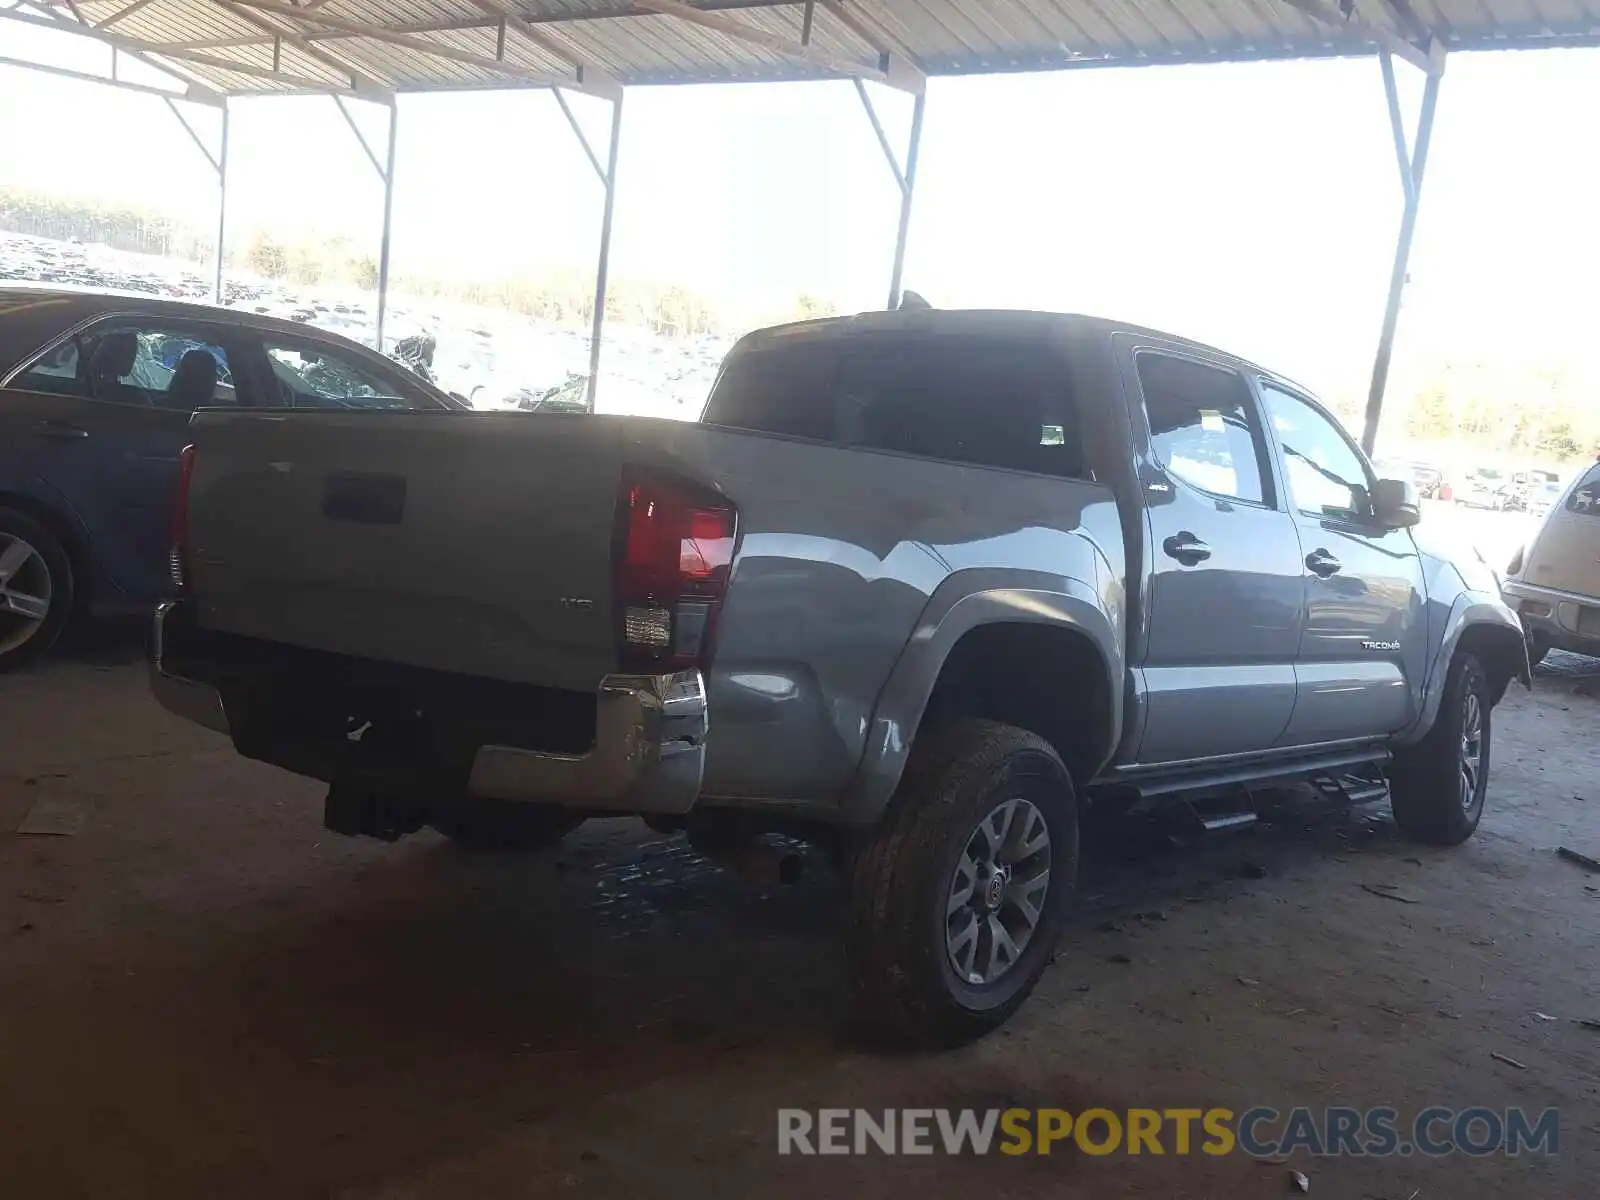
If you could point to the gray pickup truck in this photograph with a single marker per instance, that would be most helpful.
(920, 586)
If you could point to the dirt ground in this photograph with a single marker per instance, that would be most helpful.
(202, 993)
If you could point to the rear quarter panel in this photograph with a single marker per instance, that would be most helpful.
(849, 561)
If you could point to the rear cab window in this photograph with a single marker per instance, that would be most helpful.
(982, 400)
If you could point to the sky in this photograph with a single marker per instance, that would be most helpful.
(1253, 206)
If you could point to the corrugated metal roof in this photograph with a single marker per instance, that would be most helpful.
(247, 46)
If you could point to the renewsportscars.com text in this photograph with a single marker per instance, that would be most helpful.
(1259, 1132)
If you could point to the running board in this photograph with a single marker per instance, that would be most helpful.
(1267, 770)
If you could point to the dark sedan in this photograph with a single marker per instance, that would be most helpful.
(96, 391)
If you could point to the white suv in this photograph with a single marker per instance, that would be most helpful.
(1554, 584)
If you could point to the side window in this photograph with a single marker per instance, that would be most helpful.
(309, 375)
(150, 366)
(1326, 474)
(54, 371)
(1201, 429)
(967, 399)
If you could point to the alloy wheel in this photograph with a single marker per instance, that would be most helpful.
(25, 592)
(997, 895)
(1471, 748)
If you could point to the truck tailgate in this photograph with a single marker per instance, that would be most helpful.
(478, 544)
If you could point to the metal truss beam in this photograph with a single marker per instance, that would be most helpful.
(603, 266)
(1413, 162)
(734, 28)
(122, 85)
(359, 83)
(905, 176)
(1326, 13)
(589, 77)
(420, 44)
(45, 17)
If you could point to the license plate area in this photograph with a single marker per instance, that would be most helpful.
(1589, 621)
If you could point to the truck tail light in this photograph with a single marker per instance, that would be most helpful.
(674, 555)
(178, 558)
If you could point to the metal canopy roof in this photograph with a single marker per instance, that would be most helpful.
(379, 47)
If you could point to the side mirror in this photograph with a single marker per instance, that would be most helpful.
(1395, 504)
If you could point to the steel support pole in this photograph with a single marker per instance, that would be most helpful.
(222, 203)
(907, 190)
(604, 265)
(388, 221)
(1402, 252)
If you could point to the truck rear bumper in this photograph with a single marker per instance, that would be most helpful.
(648, 756)
(188, 698)
(298, 710)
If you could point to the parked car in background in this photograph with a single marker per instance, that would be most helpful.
(96, 392)
(919, 586)
(1427, 480)
(1483, 487)
(1545, 495)
(1554, 582)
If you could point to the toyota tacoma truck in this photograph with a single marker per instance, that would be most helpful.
(922, 586)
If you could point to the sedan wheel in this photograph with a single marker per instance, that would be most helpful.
(26, 591)
(35, 588)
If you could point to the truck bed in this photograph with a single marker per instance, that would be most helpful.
(483, 544)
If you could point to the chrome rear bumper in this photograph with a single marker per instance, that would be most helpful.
(648, 754)
(188, 698)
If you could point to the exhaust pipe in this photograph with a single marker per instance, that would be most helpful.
(757, 859)
(765, 865)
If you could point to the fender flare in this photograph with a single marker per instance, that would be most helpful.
(1066, 604)
(1470, 610)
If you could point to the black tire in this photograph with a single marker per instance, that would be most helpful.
(907, 988)
(503, 825)
(1429, 791)
(49, 567)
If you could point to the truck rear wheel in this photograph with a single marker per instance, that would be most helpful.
(1438, 786)
(958, 897)
(503, 825)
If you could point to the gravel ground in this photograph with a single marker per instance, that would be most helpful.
(202, 993)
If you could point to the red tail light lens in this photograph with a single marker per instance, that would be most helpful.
(178, 559)
(673, 563)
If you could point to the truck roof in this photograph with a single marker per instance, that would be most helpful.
(999, 322)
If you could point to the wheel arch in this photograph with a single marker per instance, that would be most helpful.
(1485, 627)
(1503, 653)
(1050, 662)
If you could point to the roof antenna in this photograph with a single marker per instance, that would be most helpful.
(913, 300)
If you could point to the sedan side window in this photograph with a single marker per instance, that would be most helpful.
(309, 375)
(55, 371)
(1326, 474)
(1200, 427)
(147, 366)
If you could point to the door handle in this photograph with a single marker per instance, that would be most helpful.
(60, 431)
(1186, 548)
(1320, 562)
